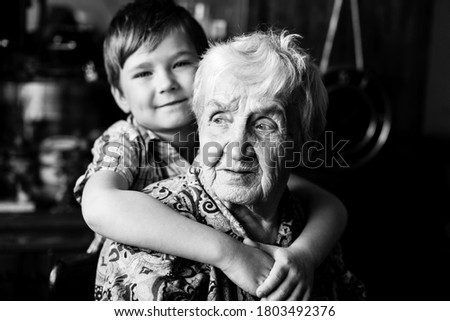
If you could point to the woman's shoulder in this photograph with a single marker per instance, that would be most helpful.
(179, 192)
(166, 187)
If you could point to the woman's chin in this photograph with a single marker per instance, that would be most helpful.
(235, 194)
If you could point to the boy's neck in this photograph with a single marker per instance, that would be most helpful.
(183, 139)
(180, 136)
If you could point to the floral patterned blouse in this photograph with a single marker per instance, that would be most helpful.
(130, 273)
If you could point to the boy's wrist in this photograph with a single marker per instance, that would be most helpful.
(302, 252)
(227, 249)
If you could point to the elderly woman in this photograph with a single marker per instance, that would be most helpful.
(257, 99)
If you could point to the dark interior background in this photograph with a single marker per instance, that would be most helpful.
(398, 236)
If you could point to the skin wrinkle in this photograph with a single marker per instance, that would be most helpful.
(252, 63)
(274, 111)
(236, 128)
(261, 82)
(246, 90)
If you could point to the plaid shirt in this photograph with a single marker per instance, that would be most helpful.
(135, 153)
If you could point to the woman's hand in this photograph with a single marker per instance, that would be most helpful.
(292, 274)
(247, 266)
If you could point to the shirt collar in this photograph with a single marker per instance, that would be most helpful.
(146, 133)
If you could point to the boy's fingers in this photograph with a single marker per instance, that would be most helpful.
(296, 293)
(250, 242)
(307, 295)
(282, 292)
(301, 292)
(276, 276)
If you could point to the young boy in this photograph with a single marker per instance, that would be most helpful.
(151, 53)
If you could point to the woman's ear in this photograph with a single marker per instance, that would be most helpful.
(121, 101)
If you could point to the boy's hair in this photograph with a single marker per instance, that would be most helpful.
(146, 23)
(269, 64)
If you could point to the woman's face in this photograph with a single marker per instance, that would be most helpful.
(244, 144)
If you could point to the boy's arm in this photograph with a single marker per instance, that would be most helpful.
(134, 218)
(326, 218)
(293, 271)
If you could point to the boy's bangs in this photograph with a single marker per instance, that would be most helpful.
(146, 38)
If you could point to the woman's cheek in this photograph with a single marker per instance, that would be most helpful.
(211, 151)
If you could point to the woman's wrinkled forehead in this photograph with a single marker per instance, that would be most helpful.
(266, 76)
(229, 86)
(224, 85)
(230, 92)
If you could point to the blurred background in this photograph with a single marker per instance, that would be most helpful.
(385, 67)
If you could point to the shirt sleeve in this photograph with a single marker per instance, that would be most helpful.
(119, 149)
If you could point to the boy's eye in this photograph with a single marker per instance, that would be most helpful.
(143, 74)
(182, 63)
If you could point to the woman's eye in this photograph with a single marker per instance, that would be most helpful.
(266, 126)
(219, 119)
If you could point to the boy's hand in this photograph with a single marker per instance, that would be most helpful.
(248, 267)
(291, 277)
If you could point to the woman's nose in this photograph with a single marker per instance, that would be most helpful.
(243, 152)
(240, 147)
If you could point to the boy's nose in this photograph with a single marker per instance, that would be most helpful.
(166, 82)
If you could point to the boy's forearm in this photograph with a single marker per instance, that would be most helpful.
(323, 229)
(137, 219)
(327, 219)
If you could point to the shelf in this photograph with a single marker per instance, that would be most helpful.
(41, 231)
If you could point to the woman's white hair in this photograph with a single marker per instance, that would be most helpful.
(269, 64)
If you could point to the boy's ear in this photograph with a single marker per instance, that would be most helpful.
(121, 101)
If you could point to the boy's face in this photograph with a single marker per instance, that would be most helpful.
(157, 85)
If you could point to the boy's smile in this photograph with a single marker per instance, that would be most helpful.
(173, 103)
(156, 86)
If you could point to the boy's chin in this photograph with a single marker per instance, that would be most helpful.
(181, 125)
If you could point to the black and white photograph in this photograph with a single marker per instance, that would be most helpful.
(240, 150)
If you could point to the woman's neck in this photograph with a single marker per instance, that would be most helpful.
(260, 222)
